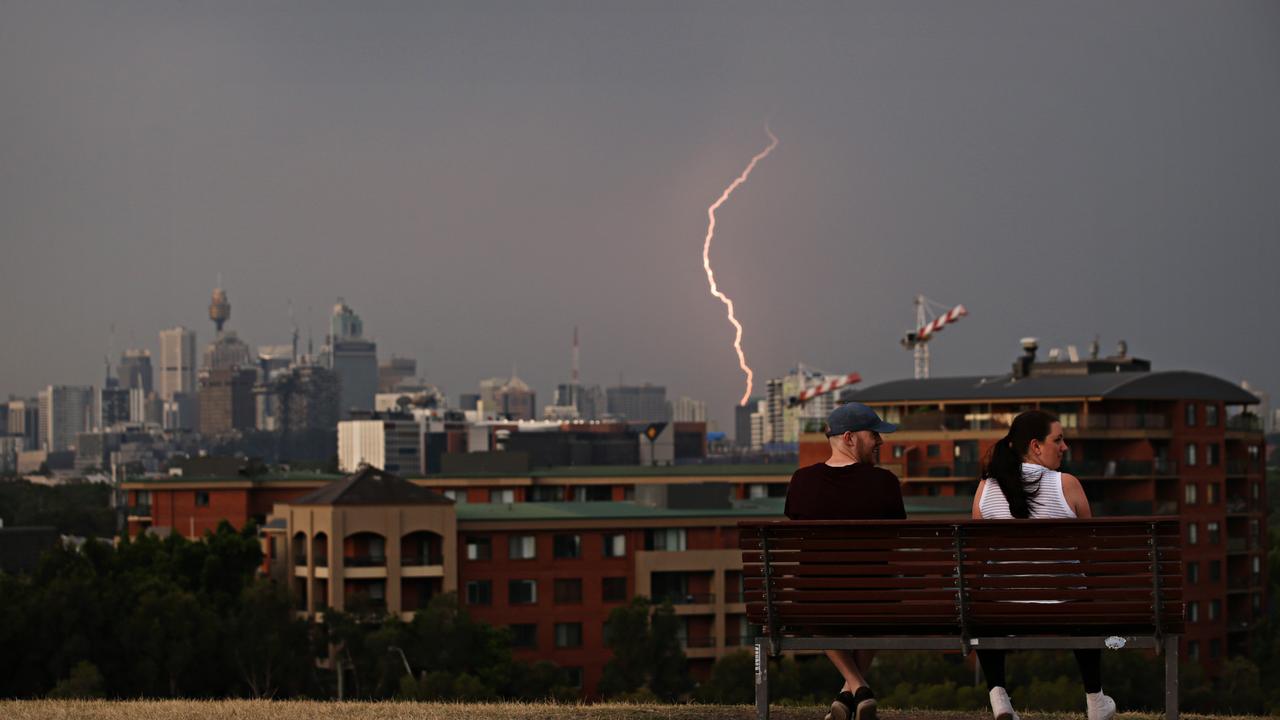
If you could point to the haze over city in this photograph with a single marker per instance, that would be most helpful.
(476, 181)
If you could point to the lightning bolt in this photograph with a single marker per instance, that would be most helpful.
(706, 258)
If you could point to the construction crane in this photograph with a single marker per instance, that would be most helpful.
(927, 323)
(823, 388)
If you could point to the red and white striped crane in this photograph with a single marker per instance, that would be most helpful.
(918, 341)
(823, 388)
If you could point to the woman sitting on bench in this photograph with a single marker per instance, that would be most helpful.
(1021, 480)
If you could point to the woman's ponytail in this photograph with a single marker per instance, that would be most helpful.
(1004, 460)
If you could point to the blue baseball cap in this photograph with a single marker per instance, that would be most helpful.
(853, 417)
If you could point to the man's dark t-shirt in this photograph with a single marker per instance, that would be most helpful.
(852, 492)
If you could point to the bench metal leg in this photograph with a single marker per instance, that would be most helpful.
(1171, 678)
(762, 682)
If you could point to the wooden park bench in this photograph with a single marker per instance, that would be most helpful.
(946, 586)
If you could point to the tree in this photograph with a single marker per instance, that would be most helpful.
(731, 681)
(264, 641)
(646, 652)
(84, 683)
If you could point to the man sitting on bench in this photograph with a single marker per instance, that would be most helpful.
(849, 486)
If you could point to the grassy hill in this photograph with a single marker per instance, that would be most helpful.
(294, 710)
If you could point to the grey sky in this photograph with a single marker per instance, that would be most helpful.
(476, 178)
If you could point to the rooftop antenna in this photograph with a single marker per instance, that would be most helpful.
(294, 323)
(573, 373)
(1095, 348)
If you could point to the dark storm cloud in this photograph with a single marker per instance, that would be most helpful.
(475, 180)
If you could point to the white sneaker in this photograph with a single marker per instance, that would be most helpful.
(1002, 707)
(1101, 707)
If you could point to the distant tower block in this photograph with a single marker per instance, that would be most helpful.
(219, 308)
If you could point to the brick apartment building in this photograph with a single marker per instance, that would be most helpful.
(1141, 442)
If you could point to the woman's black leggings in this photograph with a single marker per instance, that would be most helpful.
(1090, 662)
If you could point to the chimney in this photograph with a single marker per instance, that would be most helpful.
(1022, 366)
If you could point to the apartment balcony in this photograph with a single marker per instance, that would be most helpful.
(1236, 546)
(1247, 422)
(697, 642)
(364, 560)
(1243, 466)
(687, 599)
(1237, 505)
(139, 512)
(431, 559)
(1125, 421)
(1121, 468)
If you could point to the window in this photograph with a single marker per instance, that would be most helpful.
(1193, 573)
(1191, 454)
(1215, 648)
(459, 497)
(524, 635)
(575, 676)
(593, 493)
(1193, 611)
(1215, 535)
(479, 548)
(899, 451)
(568, 591)
(568, 635)
(615, 545)
(1193, 534)
(1191, 492)
(480, 592)
(1211, 453)
(668, 539)
(1256, 569)
(1211, 415)
(1257, 487)
(757, 490)
(566, 547)
(202, 498)
(1193, 650)
(1215, 609)
(1191, 414)
(545, 493)
(614, 589)
(377, 548)
(1215, 570)
(522, 592)
(934, 451)
(1211, 492)
(522, 547)
(499, 497)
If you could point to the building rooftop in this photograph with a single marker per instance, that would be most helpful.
(1169, 385)
(371, 486)
(592, 471)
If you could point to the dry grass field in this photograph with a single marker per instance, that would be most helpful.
(265, 710)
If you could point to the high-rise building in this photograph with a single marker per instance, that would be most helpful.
(787, 421)
(344, 323)
(686, 409)
(761, 432)
(134, 370)
(638, 403)
(227, 351)
(509, 398)
(177, 362)
(65, 411)
(24, 422)
(353, 358)
(395, 371)
(303, 398)
(113, 405)
(742, 422)
(388, 442)
(226, 400)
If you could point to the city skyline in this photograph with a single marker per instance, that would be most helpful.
(489, 178)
